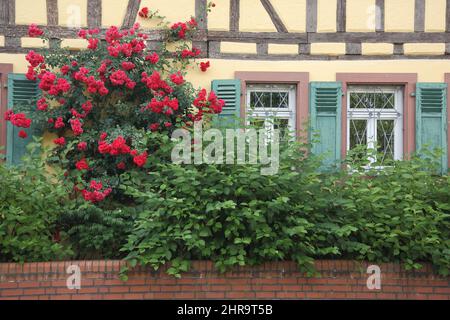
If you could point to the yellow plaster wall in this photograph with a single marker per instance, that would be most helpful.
(219, 17)
(237, 47)
(292, 13)
(27, 42)
(31, 11)
(113, 12)
(2, 41)
(326, 15)
(360, 15)
(74, 44)
(72, 13)
(424, 48)
(173, 10)
(331, 49)
(435, 11)
(399, 15)
(283, 48)
(377, 48)
(253, 17)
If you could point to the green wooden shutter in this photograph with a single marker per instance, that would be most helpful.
(230, 92)
(20, 90)
(431, 119)
(325, 111)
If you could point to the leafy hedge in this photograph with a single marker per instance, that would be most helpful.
(235, 216)
(232, 215)
(30, 204)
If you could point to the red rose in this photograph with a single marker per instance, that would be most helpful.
(82, 165)
(154, 126)
(82, 146)
(141, 160)
(23, 134)
(103, 147)
(60, 141)
(204, 66)
(144, 12)
(103, 136)
(34, 31)
(96, 185)
(177, 78)
(121, 165)
(167, 124)
(153, 58)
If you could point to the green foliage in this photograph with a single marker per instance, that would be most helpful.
(30, 203)
(97, 233)
(233, 215)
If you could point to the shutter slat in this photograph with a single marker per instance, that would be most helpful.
(20, 90)
(431, 129)
(325, 111)
(230, 92)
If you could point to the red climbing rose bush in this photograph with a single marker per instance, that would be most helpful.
(110, 106)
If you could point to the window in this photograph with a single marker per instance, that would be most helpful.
(375, 119)
(272, 106)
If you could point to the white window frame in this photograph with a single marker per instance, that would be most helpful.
(395, 114)
(271, 113)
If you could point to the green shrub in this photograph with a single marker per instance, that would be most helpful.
(97, 233)
(235, 216)
(31, 199)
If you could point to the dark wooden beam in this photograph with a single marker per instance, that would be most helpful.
(234, 15)
(419, 15)
(311, 15)
(279, 25)
(447, 17)
(379, 16)
(201, 14)
(262, 48)
(131, 14)
(353, 48)
(341, 15)
(94, 14)
(7, 11)
(52, 12)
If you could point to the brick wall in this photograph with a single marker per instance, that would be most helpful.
(100, 280)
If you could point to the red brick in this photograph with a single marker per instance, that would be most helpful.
(30, 284)
(240, 295)
(387, 296)
(442, 290)
(391, 288)
(31, 297)
(118, 289)
(8, 285)
(112, 296)
(133, 296)
(419, 289)
(438, 297)
(34, 291)
(11, 292)
(213, 295)
(61, 297)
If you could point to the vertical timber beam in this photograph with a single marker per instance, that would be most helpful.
(7, 11)
(52, 12)
(379, 16)
(234, 15)
(201, 14)
(311, 16)
(447, 17)
(131, 14)
(341, 15)
(419, 16)
(94, 14)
